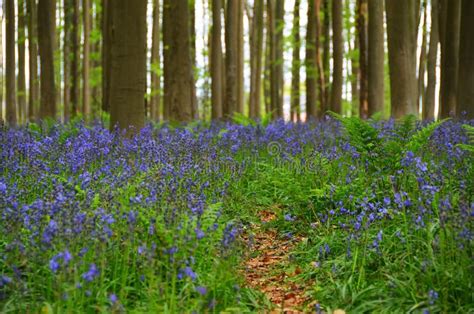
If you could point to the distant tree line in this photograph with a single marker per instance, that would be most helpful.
(64, 58)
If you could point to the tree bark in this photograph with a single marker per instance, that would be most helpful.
(86, 92)
(155, 98)
(310, 62)
(295, 65)
(74, 60)
(376, 57)
(363, 58)
(465, 91)
(11, 113)
(278, 83)
(322, 90)
(231, 39)
(256, 48)
(192, 38)
(21, 62)
(33, 96)
(128, 65)
(216, 60)
(178, 81)
(67, 6)
(240, 57)
(429, 103)
(449, 56)
(422, 62)
(402, 57)
(1, 67)
(326, 49)
(336, 90)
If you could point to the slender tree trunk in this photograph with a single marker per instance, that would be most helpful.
(429, 103)
(326, 50)
(363, 58)
(66, 55)
(256, 46)
(231, 43)
(192, 34)
(295, 65)
(449, 56)
(74, 60)
(268, 52)
(107, 23)
(278, 65)
(155, 99)
(354, 74)
(465, 91)
(422, 62)
(310, 62)
(11, 117)
(86, 92)
(240, 57)
(21, 62)
(376, 57)
(336, 90)
(33, 96)
(216, 60)
(323, 105)
(178, 81)
(128, 65)
(402, 57)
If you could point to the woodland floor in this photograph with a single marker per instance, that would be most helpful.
(268, 267)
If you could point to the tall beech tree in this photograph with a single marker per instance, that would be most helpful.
(465, 90)
(128, 64)
(46, 42)
(429, 103)
(310, 62)
(178, 80)
(86, 47)
(376, 57)
(401, 35)
(216, 60)
(336, 89)
(11, 113)
(295, 65)
(34, 84)
(363, 58)
(231, 44)
(21, 94)
(155, 99)
(256, 49)
(450, 26)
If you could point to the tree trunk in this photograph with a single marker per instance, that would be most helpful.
(376, 57)
(402, 57)
(86, 92)
(192, 36)
(155, 99)
(216, 60)
(465, 91)
(74, 66)
(231, 43)
(310, 62)
(323, 105)
(422, 62)
(178, 81)
(128, 65)
(66, 57)
(429, 103)
(240, 57)
(11, 117)
(295, 65)
(363, 58)
(336, 90)
(33, 96)
(21, 62)
(256, 46)
(278, 82)
(449, 56)
(268, 52)
(326, 50)
(1, 67)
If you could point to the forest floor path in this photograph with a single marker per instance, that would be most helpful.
(268, 268)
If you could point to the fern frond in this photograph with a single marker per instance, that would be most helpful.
(421, 137)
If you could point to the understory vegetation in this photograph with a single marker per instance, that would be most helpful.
(95, 222)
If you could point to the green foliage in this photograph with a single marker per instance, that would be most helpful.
(470, 133)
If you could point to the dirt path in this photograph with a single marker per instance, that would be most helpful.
(266, 268)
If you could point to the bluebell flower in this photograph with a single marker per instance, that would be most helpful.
(91, 273)
(201, 290)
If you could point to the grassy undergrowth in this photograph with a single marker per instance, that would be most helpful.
(92, 222)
